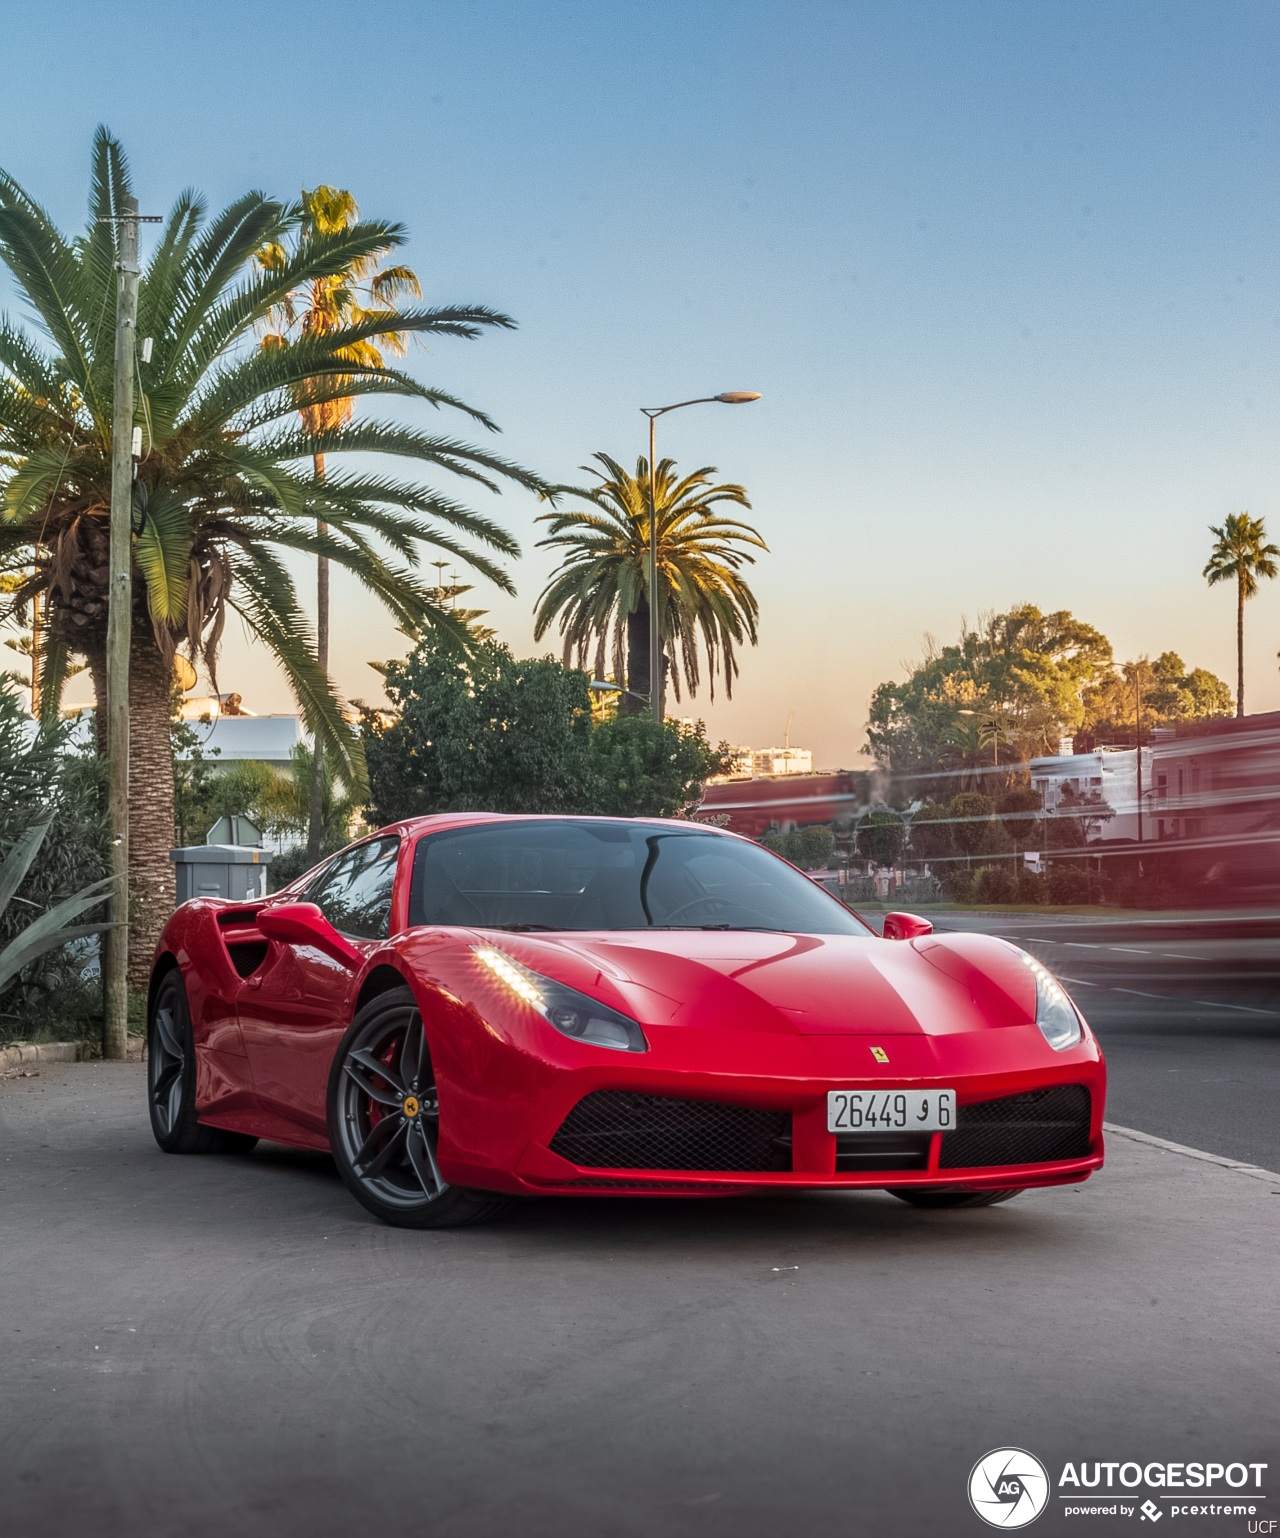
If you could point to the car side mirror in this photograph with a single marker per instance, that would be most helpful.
(304, 924)
(905, 926)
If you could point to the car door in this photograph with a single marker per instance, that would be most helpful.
(292, 1009)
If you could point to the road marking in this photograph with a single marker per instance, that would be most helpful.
(1131, 949)
(1240, 1168)
(1169, 998)
(1084, 945)
(1079, 982)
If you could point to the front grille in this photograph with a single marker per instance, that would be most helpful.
(858, 1151)
(615, 1130)
(1035, 1128)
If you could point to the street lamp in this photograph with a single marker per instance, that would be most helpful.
(599, 685)
(727, 398)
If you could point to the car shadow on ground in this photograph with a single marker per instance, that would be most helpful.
(586, 1223)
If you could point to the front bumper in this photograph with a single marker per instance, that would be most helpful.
(511, 1146)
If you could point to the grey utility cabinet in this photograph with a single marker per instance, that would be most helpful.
(237, 871)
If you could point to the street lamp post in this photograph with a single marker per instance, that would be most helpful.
(727, 398)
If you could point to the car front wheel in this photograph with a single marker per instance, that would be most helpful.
(384, 1121)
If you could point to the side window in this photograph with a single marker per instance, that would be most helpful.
(354, 892)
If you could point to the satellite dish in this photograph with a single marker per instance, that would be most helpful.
(184, 673)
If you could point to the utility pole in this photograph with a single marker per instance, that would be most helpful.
(1137, 691)
(119, 634)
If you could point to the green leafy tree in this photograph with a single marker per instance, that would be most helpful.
(930, 834)
(1078, 818)
(1241, 554)
(1163, 690)
(226, 488)
(491, 732)
(881, 837)
(1019, 810)
(809, 848)
(972, 823)
(600, 595)
(645, 768)
(1008, 689)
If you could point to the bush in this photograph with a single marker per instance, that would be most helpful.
(995, 884)
(1071, 885)
(809, 848)
(957, 883)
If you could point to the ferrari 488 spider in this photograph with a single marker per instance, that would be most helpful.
(468, 1007)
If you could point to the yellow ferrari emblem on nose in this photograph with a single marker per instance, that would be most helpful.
(410, 1106)
(880, 1055)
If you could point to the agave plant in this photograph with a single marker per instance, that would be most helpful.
(226, 485)
(53, 928)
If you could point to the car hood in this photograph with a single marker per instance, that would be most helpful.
(806, 985)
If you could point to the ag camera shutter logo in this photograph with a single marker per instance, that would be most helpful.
(1008, 1488)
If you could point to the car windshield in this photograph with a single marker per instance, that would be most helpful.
(600, 874)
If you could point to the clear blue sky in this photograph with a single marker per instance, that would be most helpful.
(1006, 276)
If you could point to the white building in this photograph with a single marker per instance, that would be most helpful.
(755, 763)
(1109, 775)
(233, 739)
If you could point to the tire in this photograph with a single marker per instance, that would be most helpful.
(939, 1196)
(171, 1078)
(384, 1121)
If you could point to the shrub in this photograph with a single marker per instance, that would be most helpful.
(995, 884)
(1069, 884)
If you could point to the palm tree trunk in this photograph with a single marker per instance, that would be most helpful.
(1240, 646)
(637, 662)
(315, 818)
(152, 886)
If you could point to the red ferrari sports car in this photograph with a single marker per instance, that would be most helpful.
(468, 1007)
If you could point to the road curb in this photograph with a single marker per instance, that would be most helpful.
(45, 1052)
(1253, 1170)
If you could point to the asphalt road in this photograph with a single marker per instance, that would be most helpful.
(227, 1348)
(1188, 1013)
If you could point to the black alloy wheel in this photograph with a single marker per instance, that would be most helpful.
(384, 1121)
(940, 1196)
(171, 1078)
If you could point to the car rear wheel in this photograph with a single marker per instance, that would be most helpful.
(941, 1197)
(171, 1078)
(384, 1121)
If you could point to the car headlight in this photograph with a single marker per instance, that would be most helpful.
(1055, 1013)
(570, 1012)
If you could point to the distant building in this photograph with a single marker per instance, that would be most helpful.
(1066, 781)
(1215, 804)
(747, 763)
(264, 739)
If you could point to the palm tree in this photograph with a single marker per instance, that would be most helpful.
(365, 291)
(601, 592)
(1241, 552)
(225, 483)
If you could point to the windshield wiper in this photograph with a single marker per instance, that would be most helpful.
(516, 929)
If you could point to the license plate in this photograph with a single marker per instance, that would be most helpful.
(891, 1110)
